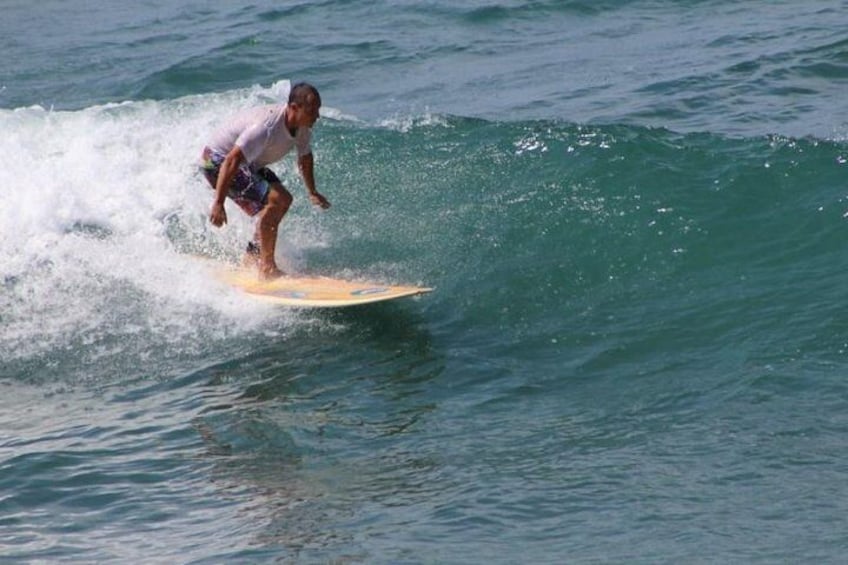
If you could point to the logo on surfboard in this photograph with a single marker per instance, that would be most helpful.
(369, 291)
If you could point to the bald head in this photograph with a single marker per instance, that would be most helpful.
(305, 95)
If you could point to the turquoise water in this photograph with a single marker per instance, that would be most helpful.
(633, 215)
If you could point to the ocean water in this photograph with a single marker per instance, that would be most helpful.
(633, 215)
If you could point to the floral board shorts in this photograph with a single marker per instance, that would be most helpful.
(249, 188)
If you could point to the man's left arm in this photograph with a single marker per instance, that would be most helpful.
(306, 164)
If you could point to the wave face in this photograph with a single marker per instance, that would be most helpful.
(536, 217)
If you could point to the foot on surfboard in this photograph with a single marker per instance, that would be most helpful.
(269, 274)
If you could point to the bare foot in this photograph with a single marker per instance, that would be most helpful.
(269, 274)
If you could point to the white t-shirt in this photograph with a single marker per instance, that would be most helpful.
(262, 135)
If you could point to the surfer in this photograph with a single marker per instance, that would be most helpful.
(236, 159)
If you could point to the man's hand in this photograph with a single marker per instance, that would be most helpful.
(218, 215)
(319, 200)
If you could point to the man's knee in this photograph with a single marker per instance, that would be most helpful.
(279, 198)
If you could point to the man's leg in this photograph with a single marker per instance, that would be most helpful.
(268, 222)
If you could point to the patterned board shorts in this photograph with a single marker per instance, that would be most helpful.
(249, 188)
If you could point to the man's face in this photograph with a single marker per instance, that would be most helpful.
(307, 114)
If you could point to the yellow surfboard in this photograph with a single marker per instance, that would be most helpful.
(314, 292)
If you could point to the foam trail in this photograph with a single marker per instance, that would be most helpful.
(98, 210)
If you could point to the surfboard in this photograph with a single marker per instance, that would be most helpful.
(314, 292)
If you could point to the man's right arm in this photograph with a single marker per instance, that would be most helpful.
(229, 167)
